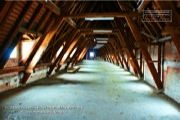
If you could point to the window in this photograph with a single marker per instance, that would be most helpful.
(14, 53)
(59, 51)
(73, 52)
(91, 54)
(26, 48)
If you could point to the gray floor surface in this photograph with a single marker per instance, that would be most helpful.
(98, 91)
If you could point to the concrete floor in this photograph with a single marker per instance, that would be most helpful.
(98, 91)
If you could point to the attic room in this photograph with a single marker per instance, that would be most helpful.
(89, 60)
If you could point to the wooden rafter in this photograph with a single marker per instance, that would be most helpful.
(143, 5)
(35, 47)
(80, 45)
(51, 6)
(148, 35)
(70, 39)
(70, 22)
(67, 51)
(39, 52)
(130, 54)
(5, 9)
(144, 50)
(38, 28)
(34, 16)
(78, 54)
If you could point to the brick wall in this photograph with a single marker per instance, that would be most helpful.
(170, 70)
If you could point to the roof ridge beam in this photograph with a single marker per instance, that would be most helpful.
(108, 14)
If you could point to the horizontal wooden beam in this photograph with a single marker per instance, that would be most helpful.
(24, 30)
(21, 68)
(171, 30)
(53, 7)
(148, 43)
(12, 69)
(97, 15)
(43, 65)
(154, 61)
(164, 39)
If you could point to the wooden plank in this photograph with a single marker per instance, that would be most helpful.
(112, 14)
(51, 6)
(73, 69)
(148, 35)
(47, 38)
(5, 9)
(144, 50)
(70, 22)
(34, 16)
(38, 28)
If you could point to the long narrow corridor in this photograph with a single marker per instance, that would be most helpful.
(98, 91)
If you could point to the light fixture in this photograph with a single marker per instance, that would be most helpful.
(101, 38)
(91, 54)
(101, 18)
(98, 46)
(106, 31)
(102, 41)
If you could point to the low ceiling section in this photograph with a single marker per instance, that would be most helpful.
(112, 27)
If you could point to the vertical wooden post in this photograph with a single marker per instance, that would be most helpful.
(159, 60)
